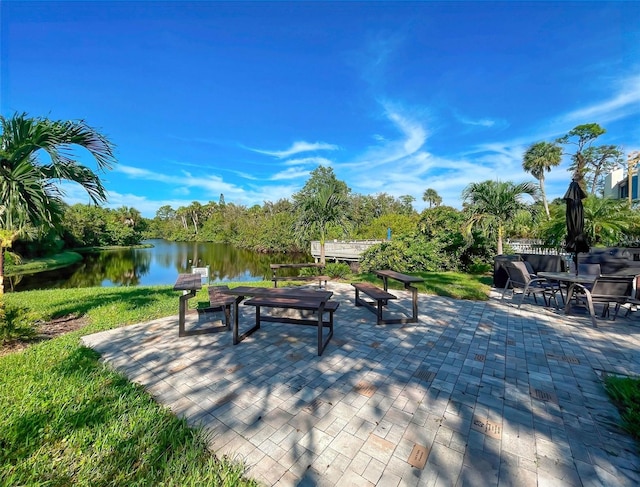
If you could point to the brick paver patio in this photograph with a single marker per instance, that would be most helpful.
(475, 393)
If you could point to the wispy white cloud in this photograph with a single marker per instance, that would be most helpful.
(481, 122)
(211, 183)
(309, 161)
(624, 102)
(297, 148)
(290, 173)
(413, 135)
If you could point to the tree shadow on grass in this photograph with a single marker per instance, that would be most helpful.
(92, 425)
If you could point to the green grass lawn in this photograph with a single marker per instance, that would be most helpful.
(66, 419)
(452, 284)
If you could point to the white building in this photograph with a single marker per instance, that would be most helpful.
(616, 184)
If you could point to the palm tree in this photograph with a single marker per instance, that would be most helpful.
(432, 197)
(28, 186)
(319, 210)
(494, 203)
(606, 222)
(538, 158)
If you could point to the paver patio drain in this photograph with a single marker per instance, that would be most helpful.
(543, 395)
(233, 369)
(418, 456)
(295, 356)
(564, 358)
(479, 357)
(431, 344)
(489, 428)
(425, 375)
(339, 342)
(375, 344)
(365, 388)
(313, 406)
(511, 342)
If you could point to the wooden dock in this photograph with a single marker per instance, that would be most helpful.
(348, 250)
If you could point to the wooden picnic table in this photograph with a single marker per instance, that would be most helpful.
(407, 280)
(297, 299)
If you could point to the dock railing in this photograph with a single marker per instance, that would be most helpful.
(348, 250)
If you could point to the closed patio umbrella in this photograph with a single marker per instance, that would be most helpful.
(576, 239)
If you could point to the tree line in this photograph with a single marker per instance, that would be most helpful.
(35, 219)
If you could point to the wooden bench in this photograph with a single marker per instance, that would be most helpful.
(307, 304)
(380, 298)
(276, 267)
(218, 301)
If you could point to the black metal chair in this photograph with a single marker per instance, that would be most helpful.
(520, 279)
(605, 290)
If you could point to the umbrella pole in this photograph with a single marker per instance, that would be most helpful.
(575, 261)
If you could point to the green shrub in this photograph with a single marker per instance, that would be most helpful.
(337, 270)
(478, 266)
(386, 255)
(310, 271)
(14, 322)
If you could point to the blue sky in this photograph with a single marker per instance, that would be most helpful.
(245, 99)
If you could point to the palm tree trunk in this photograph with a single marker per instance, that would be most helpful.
(544, 198)
(500, 231)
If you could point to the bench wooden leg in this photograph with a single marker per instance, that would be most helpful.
(227, 316)
(322, 344)
(182, 311)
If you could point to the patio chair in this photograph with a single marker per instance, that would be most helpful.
(530, 270)
(519, 278)
(605, 290)
(589, 269)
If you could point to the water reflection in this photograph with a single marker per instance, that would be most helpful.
(158, 265)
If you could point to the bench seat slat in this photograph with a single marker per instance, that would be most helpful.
(373, 291)
(293, 303)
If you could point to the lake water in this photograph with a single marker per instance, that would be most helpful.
(160, 264)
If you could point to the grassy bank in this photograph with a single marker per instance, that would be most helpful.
(66, 419)
(27, 266)
(63, 259)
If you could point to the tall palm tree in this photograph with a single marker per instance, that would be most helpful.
(319, 210)
(493, 203)
(538, 158)
(432, 197)
(29, 188)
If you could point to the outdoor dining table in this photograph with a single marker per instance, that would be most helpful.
(566, 279)
(407, 280)
(319, 297)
